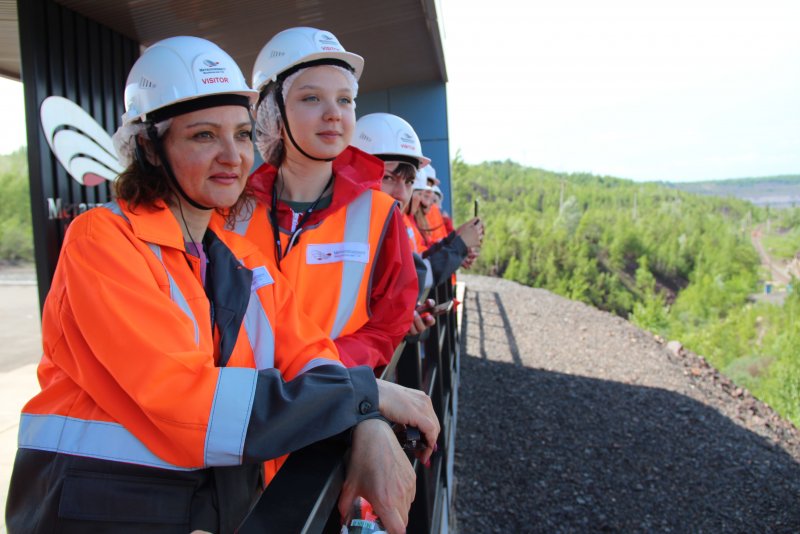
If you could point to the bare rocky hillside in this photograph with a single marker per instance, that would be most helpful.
(574, 420)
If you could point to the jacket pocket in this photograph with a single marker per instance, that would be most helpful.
(126, 499)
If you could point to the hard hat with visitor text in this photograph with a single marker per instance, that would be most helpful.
(295, 47)
(386, 135)
(180, 69)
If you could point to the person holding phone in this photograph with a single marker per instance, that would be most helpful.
(419, 208)
(394, 141)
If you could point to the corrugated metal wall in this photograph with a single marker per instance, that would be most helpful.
(65, 54)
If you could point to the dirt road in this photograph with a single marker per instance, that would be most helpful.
(777, 271)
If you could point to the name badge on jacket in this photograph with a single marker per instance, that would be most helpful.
(335, 252)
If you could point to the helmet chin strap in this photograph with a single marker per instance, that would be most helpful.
(282, 108)
(152, 133)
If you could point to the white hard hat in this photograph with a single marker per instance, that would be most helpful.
(386, 135)
(432, 174)
(435, 189)
(181, 69)
(421, 181)
(297, 46)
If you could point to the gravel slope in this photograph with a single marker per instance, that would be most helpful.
(574, 420)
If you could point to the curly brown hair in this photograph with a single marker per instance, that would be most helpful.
(143, 188)
(138, 187)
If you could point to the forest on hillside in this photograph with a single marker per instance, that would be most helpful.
(678, 264)
(16, 231)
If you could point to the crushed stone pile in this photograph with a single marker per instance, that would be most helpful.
(574, 420)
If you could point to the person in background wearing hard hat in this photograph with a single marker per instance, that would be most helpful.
(436, 204)
(175, 359)
(320, 211)
(471, 232)
(394, 141)
(426, 213)
(437, 201)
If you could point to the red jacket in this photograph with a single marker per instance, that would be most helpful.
(393, 288)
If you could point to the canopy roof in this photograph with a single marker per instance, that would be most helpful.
(400, 40)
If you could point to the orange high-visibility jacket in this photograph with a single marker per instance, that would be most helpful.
(149, 417)
(438, 229)
(331, 266)
(415, 239)
(132, 371)
(367, 307)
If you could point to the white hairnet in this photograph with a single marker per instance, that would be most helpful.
(269, 125)
(124, 139)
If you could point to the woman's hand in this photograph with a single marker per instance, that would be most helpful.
(422, 321)
(410, 407)
(471, 232)
(472, 255)
(380, 472)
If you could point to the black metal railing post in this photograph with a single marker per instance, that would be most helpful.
(303, 496)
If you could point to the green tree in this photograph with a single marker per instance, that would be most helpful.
(16, 231)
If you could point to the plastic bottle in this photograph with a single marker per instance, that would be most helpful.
(362, 519)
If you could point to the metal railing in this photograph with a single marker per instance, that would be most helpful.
(302, 497)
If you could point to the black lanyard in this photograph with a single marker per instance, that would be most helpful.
(273, 219)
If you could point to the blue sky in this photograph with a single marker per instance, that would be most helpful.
(680, 90)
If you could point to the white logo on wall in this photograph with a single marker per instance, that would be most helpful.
(79, 143)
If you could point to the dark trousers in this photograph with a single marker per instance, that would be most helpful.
(60, 493)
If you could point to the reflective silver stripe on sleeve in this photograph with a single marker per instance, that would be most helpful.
(174, 291)
(259, 333)
(81, 437)
(411, 238)
(241, 225)
(230, 414)
(318, 362)
(356, 229)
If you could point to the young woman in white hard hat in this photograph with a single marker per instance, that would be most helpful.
(162, 392)
(438, 196)
(320, 212)
(425, 213)
(394, 141)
